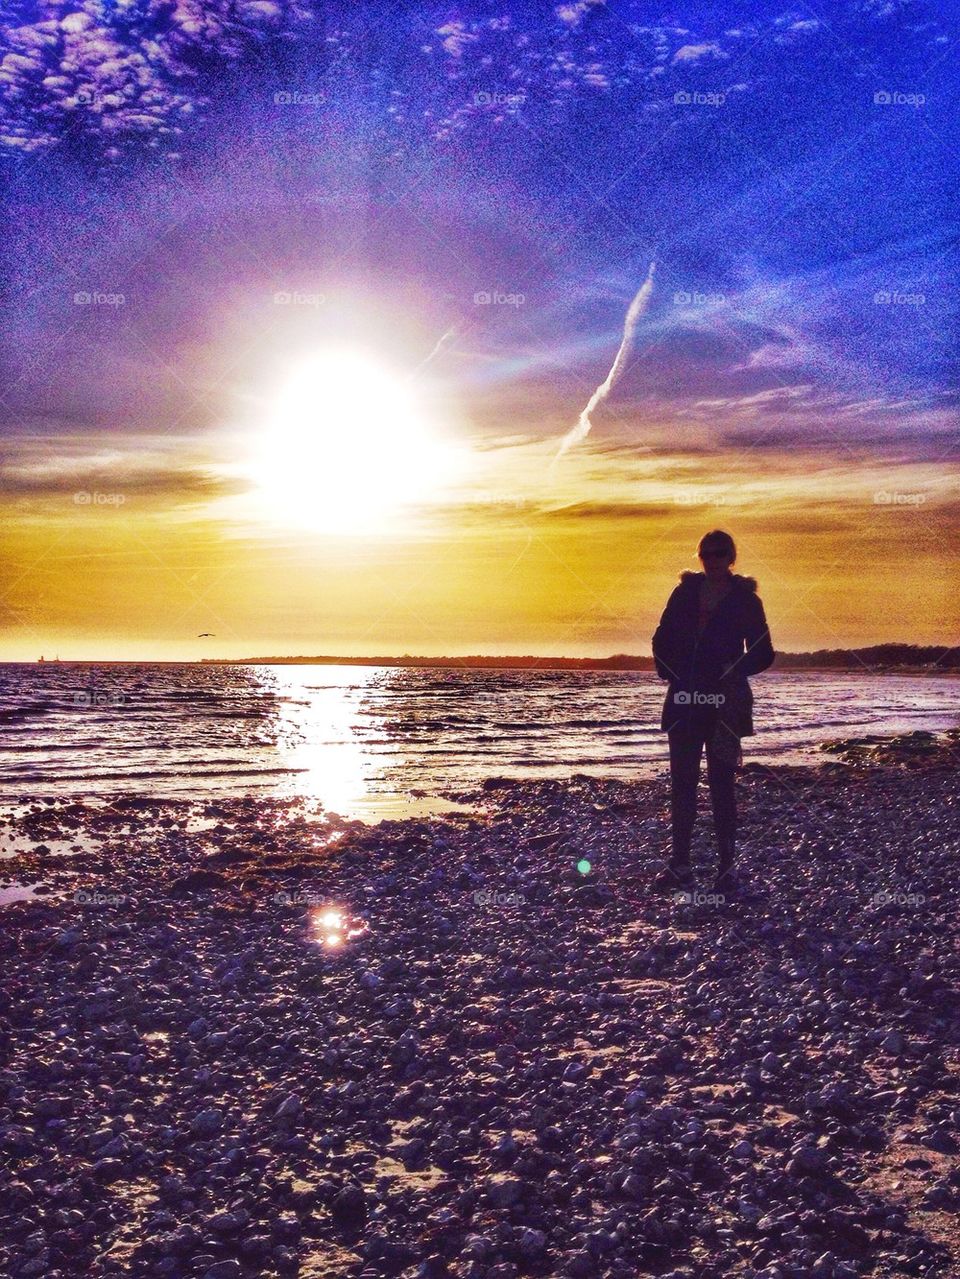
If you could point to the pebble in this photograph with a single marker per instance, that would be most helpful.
(208, 1123)
(229, 1269)
(289, 1107)
(503, 1192)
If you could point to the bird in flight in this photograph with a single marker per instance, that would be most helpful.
(206, 635)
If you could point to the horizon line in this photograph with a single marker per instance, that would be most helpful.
(932, 652)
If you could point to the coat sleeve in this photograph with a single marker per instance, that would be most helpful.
(759, 654)
(662, 643)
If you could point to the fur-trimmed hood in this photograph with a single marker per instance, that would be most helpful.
(739, 581)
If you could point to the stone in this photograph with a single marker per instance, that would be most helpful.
(208, 1123)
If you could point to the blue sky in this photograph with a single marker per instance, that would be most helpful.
(548, 150)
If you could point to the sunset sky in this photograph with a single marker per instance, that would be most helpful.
(301, 301)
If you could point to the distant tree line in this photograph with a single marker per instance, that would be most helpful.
(876, 657)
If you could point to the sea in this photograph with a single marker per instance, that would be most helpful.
(370, 742)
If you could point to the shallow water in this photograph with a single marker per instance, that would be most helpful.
(388, 742)
(17, 893)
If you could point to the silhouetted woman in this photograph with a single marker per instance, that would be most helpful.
(713, 634)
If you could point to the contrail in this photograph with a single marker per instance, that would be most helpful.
(442, 343)
(436, 350)
(634, 312)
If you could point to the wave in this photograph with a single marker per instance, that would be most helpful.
(407, 729)
(153, 774)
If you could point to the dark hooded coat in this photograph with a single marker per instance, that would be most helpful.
(713, 667)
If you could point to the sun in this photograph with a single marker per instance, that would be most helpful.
(347, 446)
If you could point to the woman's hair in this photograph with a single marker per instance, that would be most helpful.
(718, 540)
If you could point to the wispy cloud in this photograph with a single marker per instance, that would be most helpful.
(47, 468)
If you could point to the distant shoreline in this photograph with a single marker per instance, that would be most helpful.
(882, 659)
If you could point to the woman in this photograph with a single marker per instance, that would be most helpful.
(712, 635)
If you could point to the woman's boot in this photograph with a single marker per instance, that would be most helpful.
(677, 872)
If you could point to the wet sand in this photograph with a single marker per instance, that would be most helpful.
(242, 1039)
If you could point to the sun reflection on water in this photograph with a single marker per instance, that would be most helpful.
(319, 738)
(346, 738)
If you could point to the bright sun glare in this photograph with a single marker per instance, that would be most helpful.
(347, 445)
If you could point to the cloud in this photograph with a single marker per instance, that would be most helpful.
(118, 77)
(609, 511)
(185, 485)
(619, 449)
(574, 14)
(33, 475)
(773, 395)
(693, 53)
(788, 350)
(115, 73)
(456, 38)
(774, 440)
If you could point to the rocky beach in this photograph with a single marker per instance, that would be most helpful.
(244, 1038)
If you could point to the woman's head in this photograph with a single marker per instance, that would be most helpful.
(717, 552)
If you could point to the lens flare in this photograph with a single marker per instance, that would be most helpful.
(333, 926)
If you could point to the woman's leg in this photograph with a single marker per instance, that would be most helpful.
(721, 777)
(686, 747)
